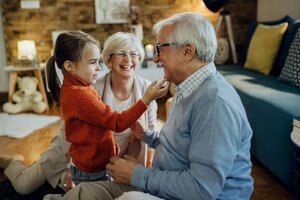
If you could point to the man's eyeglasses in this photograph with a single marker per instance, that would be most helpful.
(158, 46)
(123, 54)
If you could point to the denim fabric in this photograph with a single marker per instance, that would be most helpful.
(79, 176)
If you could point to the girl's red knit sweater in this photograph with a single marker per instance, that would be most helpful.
(88, 124)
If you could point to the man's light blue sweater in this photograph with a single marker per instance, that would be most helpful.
(203, 150)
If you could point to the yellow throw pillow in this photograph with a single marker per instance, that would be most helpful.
(264, 46)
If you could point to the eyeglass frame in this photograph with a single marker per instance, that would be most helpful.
(158, 46)
(122, 54)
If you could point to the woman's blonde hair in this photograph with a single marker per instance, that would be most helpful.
(122, 41)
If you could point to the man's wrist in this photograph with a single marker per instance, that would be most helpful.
(137, 176)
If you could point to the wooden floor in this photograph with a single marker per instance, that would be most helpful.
(266, 185)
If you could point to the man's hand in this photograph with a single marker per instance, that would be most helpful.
(138, 130)
(120, 169)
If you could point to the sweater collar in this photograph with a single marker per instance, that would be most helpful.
(73, 80)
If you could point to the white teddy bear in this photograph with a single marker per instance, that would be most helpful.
(26, 98)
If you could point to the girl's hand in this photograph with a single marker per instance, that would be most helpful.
(155, 91)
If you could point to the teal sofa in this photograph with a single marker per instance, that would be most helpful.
(270, 105)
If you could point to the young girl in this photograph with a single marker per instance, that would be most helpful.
(88, 121)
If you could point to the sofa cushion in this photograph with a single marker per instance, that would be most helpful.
(271, 106)
(264, 46)
(291, 70)
(280, 59)
(267, 88)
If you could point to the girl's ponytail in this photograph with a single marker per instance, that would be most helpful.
(52, 79)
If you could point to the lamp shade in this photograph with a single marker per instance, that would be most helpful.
(26, 50)
(215, 5)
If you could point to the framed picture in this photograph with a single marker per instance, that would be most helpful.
(137, 29)
(112, 11)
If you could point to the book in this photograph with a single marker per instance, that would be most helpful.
(295, 138)
(296, 129)
(296, 121)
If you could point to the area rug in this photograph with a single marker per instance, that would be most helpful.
(21, 125)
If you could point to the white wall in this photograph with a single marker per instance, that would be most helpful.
(268, 10)
(3, 61)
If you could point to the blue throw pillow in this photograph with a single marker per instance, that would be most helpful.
(251, 28)
(291, 70)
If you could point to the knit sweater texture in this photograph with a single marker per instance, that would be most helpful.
(89, 124)
(203, 150)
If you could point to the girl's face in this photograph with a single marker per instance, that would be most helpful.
(88, 68)
(124, 63)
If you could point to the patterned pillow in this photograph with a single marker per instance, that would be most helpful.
(291, 71)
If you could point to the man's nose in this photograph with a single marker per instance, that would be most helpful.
(156, 58)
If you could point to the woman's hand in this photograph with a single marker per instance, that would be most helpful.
(66, 181)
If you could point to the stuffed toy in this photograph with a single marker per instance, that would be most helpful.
(26, 98)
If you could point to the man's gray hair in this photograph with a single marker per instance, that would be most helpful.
(191, 28)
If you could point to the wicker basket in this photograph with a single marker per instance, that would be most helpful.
(222, 54)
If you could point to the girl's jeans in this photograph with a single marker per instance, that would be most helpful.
(79, 176)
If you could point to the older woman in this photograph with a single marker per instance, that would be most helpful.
(120, 88)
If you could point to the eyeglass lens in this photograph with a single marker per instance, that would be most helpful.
(158, 46)
(132, 54)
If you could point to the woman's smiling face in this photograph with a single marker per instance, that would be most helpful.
(123, 62)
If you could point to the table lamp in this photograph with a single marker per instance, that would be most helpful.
(27, 52)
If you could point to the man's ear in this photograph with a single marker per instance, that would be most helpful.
(68, 65)
(189, 52)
